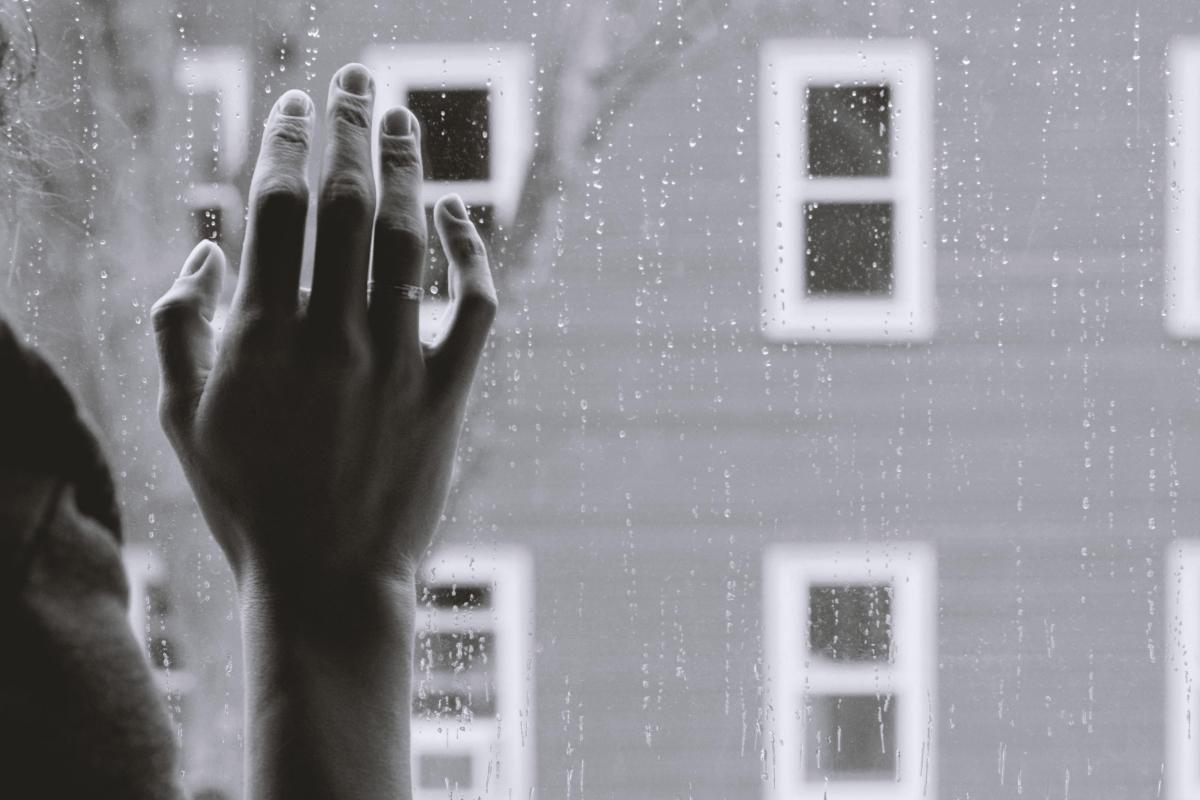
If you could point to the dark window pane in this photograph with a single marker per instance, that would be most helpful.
(444, 771)
(158, 601)
(848, 130)
(850, 737)
(454, 133)
(454, 651)
(848, 248)
(453, 674)
(850, 623)
(435, 269)
(164, 653)
(465, 596)
(208, 222)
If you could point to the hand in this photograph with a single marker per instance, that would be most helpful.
(319, 436)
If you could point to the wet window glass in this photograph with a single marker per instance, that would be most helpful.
(850, 623)
(848, 248)
(848, 130)
(454, 132)
(850, 737)
(839, 431)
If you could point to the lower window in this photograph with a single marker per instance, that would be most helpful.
(851, 654)
(471, 728)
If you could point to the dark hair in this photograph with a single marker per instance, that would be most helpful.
(18, 60)
(22, 175)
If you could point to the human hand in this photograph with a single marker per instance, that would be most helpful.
(319, 437)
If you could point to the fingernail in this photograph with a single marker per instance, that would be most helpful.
(355, 79)
(398, 122)
(457, 208)
(294, 103)
(196, 259)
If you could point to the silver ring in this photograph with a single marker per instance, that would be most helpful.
(406, 290)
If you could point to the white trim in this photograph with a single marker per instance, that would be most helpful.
(1182, 301)
(786, 67)
(502, 746)
(1182, 605)
(788, 572)
(143, 568)
(224, 72)
(224, 196)
(506, 69)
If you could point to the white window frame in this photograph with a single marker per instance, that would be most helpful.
(787, 66)
(1182, 283)
(502, 747)
(506, 68)
(224, 73)
(144, 567)
(789, 570)
(1182, 605)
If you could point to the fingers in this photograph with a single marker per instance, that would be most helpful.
(279, 192)
(400, 235)
(345, 204)
(474, 295)
(182, 326)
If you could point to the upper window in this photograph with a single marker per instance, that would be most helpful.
(1183, 189)
(1182, 587)
(847, 247)
(850, 641)
(473, 104)
(471, 677)
(216, 83)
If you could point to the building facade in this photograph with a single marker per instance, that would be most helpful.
(839, 434)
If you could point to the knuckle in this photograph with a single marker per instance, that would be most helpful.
(290, 135)
(169, 416)
(338, 345)
(345, 353)
(168, 310)
(468, 248)
(399, 155)
(403, 234)
(281, 193)
(479, 303)
(349, 193)
(352, 113)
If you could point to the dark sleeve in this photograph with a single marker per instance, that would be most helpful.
(80, 714)
(44, 443)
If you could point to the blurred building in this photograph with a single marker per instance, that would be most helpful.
(838, 437)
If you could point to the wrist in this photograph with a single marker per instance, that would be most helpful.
(337, 610)
(328, 688)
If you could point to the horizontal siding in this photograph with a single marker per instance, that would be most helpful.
(647, 511)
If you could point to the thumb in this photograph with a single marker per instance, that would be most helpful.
(182, 327)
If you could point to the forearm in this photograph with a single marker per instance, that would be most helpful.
(328, 694)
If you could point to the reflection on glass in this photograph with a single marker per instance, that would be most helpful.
(848, 248)
(848, 130)
(850, 737)
(454, 133)
(850, 623)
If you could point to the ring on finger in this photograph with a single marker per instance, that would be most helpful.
(406, 291)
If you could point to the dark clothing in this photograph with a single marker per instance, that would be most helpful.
(80, 716)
